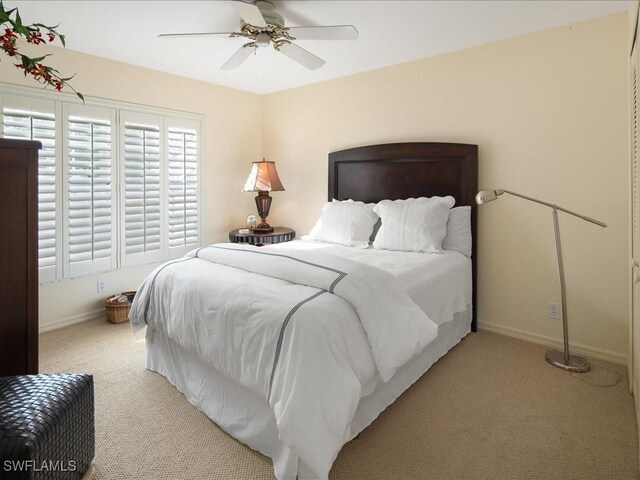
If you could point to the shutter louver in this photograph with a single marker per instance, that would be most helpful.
(30, 125)
(182, 148)
(142, 190)
(89, 189)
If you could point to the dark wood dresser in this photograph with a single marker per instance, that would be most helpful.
(18, 257)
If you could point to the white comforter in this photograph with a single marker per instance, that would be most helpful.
(305, 330)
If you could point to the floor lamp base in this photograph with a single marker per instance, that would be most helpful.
(575, 364)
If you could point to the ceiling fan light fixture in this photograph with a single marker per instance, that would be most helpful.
(263, 39)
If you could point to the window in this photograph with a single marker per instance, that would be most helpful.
(23, 118)
(182, 185)
(117, 186)
(141, 180)
(89, 189)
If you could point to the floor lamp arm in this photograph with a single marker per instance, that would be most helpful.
(555, 207)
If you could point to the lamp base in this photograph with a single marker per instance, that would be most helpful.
(263, 202)
(576, 364)
(260, 229)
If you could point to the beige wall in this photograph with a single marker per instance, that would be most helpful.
(549, 113)
(232, 136)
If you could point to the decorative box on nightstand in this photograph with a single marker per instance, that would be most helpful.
(279, 235)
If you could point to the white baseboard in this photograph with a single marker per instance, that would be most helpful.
(599, 353)
(592, 352)
(65, 322)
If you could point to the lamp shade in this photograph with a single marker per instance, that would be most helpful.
(263, 178)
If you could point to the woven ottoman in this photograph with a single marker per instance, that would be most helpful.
(46, 426)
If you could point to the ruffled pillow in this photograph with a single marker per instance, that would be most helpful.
(414, 225)
(347, 223)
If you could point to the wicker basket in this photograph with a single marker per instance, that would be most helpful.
(118, 312)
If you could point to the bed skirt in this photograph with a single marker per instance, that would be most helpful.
(249, 418)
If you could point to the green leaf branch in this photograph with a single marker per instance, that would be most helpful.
(35, 34)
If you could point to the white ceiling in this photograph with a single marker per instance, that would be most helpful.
(391, 32)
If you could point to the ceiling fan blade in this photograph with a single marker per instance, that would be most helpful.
(300, 55)
(197, 34)
(240, 56)
(332, 32)
(249, 13)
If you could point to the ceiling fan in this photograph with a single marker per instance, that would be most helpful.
(264, 26)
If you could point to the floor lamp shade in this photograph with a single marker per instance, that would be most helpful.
(263, 179)
(563, 360)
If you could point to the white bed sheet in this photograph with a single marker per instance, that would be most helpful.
(440, 284)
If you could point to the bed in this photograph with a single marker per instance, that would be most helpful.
(308, 385)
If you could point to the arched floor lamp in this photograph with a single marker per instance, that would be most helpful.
(564, 360)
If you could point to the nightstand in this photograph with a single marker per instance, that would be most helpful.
(279, 235)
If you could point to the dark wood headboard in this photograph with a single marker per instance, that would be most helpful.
(404, 170)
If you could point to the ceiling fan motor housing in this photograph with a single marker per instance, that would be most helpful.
(271, 17)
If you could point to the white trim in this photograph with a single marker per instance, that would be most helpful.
(65, 322)
(35, 92)
(598, 353)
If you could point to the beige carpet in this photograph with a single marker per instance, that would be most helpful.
(490, 409)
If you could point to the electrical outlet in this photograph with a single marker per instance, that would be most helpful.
(554, 311)
(102, 286)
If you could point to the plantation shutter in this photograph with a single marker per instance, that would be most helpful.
(90, 190)
(142, 200)
(634, 328)
(182, 186)
(26, 119)
(635, 157)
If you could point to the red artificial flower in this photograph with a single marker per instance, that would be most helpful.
(38, 71)
(52, 36)
(9, 48)
(35, 38)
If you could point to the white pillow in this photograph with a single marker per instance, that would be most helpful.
(347, 223)
(458, 236)
(415, 225)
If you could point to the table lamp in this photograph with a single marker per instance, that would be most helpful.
(263, 179)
